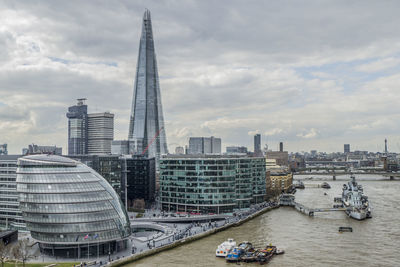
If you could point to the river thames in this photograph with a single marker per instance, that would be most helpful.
(309, 241)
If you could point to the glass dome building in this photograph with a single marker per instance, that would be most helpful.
(69, 208)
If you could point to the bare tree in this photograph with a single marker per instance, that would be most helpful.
(22, 251)
(4, 252)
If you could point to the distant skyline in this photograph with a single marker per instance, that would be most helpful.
(312, 74)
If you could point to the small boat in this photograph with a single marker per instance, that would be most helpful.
(225, 247)
(246, 246)
(235, 254)
(325, 185)
(279, 252)
(345, 229)
(299, 184)
(250, 256)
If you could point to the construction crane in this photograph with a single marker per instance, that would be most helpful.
(152, 140)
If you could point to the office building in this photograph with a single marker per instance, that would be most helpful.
(3, 149)
(146, 127)
(281, 146)
(70, 209)
(346, 148)
(281, 157)
(35, 149)
(257, 145)
(100, 133)
(89, 133)
(204, 145)
(211, 183)
(10, 215)
(77, 128)
(236, 149)
(138, 180)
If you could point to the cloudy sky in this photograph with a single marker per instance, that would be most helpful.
(313, 74)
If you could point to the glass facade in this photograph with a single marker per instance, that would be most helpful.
(64, 202)
(10, 214)
(77, 129)
(147, 120)
(211, 184)
(139, 176)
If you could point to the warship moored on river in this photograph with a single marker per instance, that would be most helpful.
(355, 201)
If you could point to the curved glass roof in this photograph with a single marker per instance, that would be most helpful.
(47, 158)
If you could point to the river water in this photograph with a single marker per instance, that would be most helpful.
(309, 241)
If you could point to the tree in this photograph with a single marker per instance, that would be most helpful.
(22, 251)
(4, 251)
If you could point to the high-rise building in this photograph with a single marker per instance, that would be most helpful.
(386, 149)
(257, 144)
(281, 146)
(89, 133)
(204, 145)
(3, 149)
(146, 126)
(346, 148)
(100, 133)
(77, 128)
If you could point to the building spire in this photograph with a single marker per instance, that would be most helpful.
(146, 128)
(146, 15)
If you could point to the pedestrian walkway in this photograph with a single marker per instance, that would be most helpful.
(173, 232)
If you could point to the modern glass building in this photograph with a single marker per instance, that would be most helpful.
(139, 180)
(10, 214)
(77, 128)
(210, 183)
(69, 208)
(100, 133)
(146, 128)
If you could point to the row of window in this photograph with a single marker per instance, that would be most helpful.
(64, 208)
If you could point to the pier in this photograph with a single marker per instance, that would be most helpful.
(288, 200)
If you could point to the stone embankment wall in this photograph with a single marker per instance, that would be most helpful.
(187, 240)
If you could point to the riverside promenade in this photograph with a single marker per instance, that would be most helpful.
(185, 234)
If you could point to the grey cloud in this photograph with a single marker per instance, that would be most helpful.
(226, 67)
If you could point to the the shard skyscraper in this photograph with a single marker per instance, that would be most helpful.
(146, 129)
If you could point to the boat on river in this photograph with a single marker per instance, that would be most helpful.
(354, 200)
(225, 247)
(245, 252)
(325, 185)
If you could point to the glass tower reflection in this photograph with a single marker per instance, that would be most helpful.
(146, 128)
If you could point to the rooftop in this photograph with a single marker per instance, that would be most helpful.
(205, 156)
(48, 158)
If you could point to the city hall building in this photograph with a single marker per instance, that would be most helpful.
(211, 183)
(69, 208)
